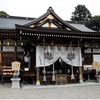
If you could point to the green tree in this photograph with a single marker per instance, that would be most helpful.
(81, 13)
(3, 13)
(94, 23)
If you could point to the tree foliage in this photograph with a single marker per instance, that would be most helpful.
(81, 13)
(3, 13)
(94, 23)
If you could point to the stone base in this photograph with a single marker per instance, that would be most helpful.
(37, 83)
(81, 81)
(98, 78)
(15, 82)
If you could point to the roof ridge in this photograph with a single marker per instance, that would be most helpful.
(15, 17)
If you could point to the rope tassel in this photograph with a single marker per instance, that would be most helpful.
(44, 78)
(72, 77)
(53, 78)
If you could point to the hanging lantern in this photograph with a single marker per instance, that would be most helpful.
(8, 43)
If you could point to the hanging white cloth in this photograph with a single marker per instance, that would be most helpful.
(51, 57)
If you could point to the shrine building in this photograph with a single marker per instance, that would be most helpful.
(51, 50)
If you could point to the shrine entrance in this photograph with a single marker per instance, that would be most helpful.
(61, 69)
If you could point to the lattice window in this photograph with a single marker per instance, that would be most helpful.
(7, 58)
(88, 59)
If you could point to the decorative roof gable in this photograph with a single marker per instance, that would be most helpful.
(51, 20)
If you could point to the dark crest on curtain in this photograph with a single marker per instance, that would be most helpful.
(48, 56)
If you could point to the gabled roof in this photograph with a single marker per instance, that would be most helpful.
(51, 17)
(7, 23)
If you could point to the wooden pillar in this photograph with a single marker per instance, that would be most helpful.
(80, 68)
(81, 75)
(92, 53)
(1, 51)
(15, 50)
(37, 76)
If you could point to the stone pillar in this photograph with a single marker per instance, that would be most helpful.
(38, 76)
(15, 82)
(98, 78)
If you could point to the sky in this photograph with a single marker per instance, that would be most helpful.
(36, 8)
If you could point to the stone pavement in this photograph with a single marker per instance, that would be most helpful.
(85, 90)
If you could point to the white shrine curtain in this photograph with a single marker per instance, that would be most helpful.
(59, 52)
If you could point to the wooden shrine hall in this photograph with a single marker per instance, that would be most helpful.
(50, 49)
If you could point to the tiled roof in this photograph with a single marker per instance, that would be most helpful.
(8, 22)
(81, 27)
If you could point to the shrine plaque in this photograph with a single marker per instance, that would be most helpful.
(15, 65)
(95, 65)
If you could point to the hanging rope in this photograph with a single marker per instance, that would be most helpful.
(72, 75)
(80, 76)
(53, 76)
(44, 77)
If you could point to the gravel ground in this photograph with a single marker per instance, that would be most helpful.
(74, 92)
